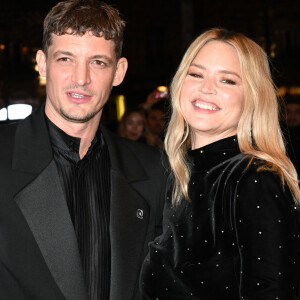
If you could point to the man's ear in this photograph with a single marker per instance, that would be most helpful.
(122, 66)
(41, 62)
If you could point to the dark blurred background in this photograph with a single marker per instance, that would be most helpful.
(157, 34)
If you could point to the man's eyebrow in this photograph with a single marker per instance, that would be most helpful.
(97, 56)
(221, 71)
(60, 52)
(105, 57)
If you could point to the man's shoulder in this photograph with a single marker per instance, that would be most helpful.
(136, 147)
(131, 153)
(7, 134)
(141, 148)
(8, 129)
(147, 154)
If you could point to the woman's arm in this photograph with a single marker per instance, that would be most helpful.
(266, 228)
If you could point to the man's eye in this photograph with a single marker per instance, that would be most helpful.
(99, 62)
(64, 59)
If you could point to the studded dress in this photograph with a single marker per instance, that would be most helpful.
(236, 239)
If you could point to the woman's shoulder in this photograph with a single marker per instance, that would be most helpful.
(250, 179)
(244, 167)
(257, 171)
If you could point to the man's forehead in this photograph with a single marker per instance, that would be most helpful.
(86, 40)
(86, 34)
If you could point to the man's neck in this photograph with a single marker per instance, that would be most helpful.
(85, 131)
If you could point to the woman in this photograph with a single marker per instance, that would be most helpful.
(230, 220)
(133, 125)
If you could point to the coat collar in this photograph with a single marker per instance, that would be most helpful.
(33, 141)
(32, 150)
(122, 157)
(45, 210)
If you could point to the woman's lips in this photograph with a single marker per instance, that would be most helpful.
(208, 106)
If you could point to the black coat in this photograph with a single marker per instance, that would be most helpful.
(39, 256)
(236, 239)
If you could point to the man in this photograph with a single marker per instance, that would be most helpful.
(155, 108)
(78, 205)
(156, 118)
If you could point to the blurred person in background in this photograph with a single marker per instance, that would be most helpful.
(156, 121)
(133, 125)
(156, 107)
(292, 110)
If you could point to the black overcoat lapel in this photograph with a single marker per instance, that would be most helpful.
(43, 205)
(129, 218)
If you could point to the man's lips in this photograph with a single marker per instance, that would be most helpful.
(78, 96)
(205, 105)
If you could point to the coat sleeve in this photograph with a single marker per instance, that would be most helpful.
(266, 228)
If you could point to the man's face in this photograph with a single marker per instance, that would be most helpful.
(156, 122)
(80, 73)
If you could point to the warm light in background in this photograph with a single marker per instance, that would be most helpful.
(162, 88)
(120, 105)
(18, 111)
(281, 91)
(292, 90)
(273, 50)
(42, 80)
(24, 50)
(2, 47)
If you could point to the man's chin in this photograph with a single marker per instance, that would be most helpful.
(76, 118)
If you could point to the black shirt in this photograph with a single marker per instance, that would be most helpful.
(86, 183)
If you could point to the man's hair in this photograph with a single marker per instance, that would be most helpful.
(80, 16)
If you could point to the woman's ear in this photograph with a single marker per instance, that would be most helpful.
(122, 66)
(41, 62)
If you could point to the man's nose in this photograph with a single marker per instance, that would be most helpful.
(81, 74)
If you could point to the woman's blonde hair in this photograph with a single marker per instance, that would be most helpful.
(259, 134)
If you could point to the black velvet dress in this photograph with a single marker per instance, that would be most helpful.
(236, 239)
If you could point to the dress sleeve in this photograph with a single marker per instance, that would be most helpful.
(266, 229)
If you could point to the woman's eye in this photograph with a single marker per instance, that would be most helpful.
(229, 81)
(195, 75)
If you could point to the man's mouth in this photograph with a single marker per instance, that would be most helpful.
(78, 96)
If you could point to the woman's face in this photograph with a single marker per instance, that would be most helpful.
(134, 126)
(212, 95)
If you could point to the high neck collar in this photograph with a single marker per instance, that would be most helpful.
(212, 154)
